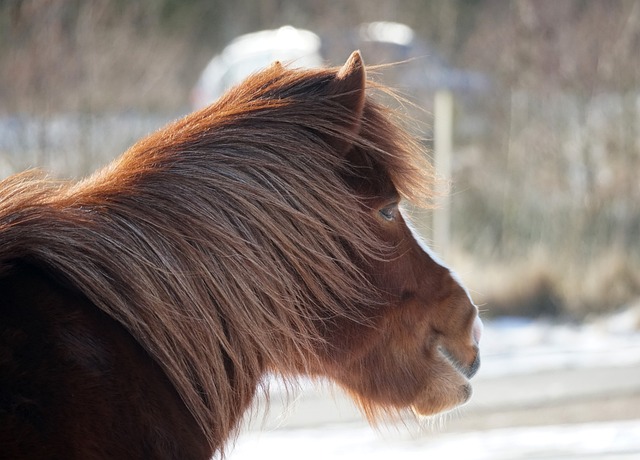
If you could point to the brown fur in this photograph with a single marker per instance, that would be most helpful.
(246, 238)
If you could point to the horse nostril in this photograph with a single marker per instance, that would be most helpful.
(477, 330)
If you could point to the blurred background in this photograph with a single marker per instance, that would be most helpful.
(543, 216)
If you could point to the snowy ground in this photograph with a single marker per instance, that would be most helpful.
(512, 345)
(603, 440)
(545, 391)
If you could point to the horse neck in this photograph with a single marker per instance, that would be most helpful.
(130, 272)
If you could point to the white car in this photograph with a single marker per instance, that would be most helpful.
(251, 52)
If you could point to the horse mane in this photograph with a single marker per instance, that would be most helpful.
(226, 242)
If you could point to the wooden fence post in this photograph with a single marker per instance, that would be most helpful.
(443, 146)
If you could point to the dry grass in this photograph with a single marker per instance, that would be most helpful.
(545, 283)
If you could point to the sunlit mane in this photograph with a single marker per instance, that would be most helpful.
(240, 239)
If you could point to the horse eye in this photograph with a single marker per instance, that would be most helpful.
(388, 213)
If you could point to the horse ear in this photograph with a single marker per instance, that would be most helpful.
(348, 89)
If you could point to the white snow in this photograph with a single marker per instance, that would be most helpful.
(513, 345)
(610, 440)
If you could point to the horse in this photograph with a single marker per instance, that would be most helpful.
(142, 307)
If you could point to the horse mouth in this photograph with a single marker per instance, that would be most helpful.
(468, 370)
(464, 359)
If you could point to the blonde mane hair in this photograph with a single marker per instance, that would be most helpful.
(228, 242)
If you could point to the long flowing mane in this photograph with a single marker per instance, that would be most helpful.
(227, 242)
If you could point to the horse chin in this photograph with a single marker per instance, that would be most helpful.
(450, 389)
(430, 403)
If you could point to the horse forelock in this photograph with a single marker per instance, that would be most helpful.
(226, 242)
